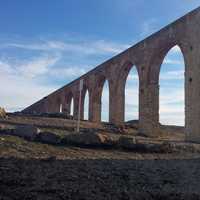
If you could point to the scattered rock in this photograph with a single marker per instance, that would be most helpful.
(118, 129)
(88, 139)
(2, 113)
(48, 137)
(127, 142)
(131, 143)
(28, 132)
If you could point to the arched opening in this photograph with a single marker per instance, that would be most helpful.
(171, 95)
(105, 102)
(86, 106)
(132, 95)
(61, 108)
(72, 107)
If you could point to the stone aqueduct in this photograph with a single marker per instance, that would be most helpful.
(147, 56)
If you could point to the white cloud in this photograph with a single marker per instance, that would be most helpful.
(172, 61)
(22, 76)
(37, 66)
(132, 77)
(68, 72)
(176, 49)
(18, 88)
(29, 68)
(172, 75)
(109, 47)
(20, 85)
(83, 47)
(172, 114)
(17, 92)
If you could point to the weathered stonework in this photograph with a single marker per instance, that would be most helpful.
(147, 56)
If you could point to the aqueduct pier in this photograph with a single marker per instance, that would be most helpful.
(147, 56)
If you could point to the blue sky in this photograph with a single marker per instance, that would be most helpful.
(46, 44)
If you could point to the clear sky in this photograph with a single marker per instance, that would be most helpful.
(44, 44)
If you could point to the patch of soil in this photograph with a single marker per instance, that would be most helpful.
(99, 179)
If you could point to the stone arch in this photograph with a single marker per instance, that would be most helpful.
(118, 90)
(124, 71)
(131, 101)
(149, 87)
(86, 103)
(57, 104)
(95, 96)
(150, 101)
(105, 106)
(72, 106)
(85, 91)
(158, 58)
(163, 119)
(69, 100)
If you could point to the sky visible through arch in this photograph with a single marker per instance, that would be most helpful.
(46, 44)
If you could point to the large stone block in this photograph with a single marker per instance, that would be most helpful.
(28, 132)
(49, 138)
(88, 139)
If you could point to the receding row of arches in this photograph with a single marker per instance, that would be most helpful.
(171, 98)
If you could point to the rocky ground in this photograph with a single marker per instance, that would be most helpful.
(32, 170)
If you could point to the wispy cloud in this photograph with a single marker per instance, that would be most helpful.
(176, 49)
(18, 91)
(83, 47)
(172, 75)
(29, 68)
(38, 66)
(173, 61)
(68, 72)
(47, 60)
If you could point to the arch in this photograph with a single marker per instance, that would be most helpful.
(86, 105)
(158, 57)
(61, 108)
(68, 106)
(121, 89)
(131, 111)
(58, 105)
(125, 70)
(105, 103)
(172, 87)
(71, 107)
